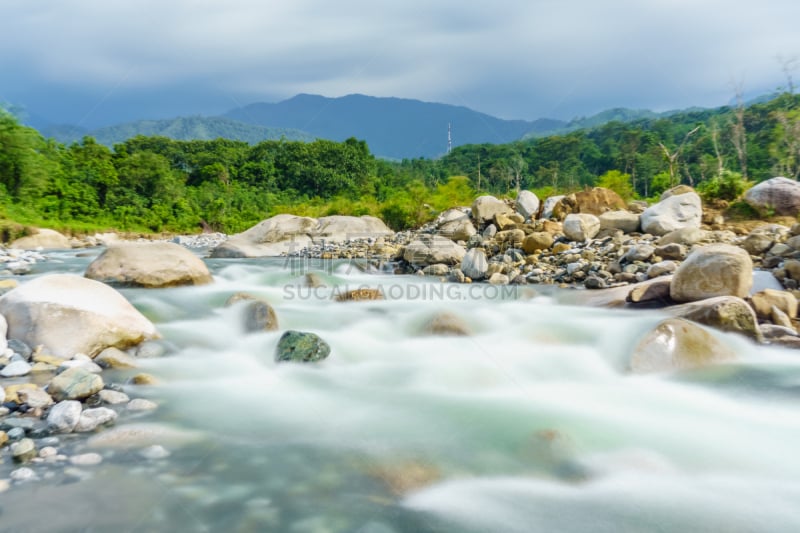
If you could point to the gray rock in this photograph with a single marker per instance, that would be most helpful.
(779, 196)
(622, 220)
(489, 232)
(549, 204)
(527, 204)
(113, 397)
(89, 366)
(672, 251)
(675, 212)
(436, 270)
(581, 227)
(86, 459)
(2, 395)
(639, 252)
(757, 243)
(300, 346)
(726, 313)
(15, 369)
(150, 264)
(713, 270)
(456, 225)
(75, 384)
(484, 209)
(91, 419)
(432, 249)
(474, 265)
(661, 268)
(64, 416)
(23, 475)
(140, 404)
(35, 398)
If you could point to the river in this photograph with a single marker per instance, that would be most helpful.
(530, 424)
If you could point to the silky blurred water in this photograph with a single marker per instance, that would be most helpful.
(531, 423)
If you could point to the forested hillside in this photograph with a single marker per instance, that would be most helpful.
(159, 184)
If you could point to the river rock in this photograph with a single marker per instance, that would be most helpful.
(112, 397)
(536, 241)
(258, 315)
(137, 436)
(581, 227)
(474, 264)
(685, 236)
(498, 279)
(726, 313)
(149, 265)
(91, 419)
(274, 236)
(75, 384)
(661, 268)
(35, 398)
(638, 252)
(3, 333)
(64, 416)
(484, 209)
(763, 302)
(86, 459)
(527, 204)
(757, 243)
(674, 212)
(713, 270)
(620, 219)
(455, 224)
(594, 201)
(778, 196)
(549, 204)
(43, 238)
(654, 290)
(677, 344)
(23, 450)
(2, 395)
(360, 295)
(341, 228)
(447, 324)
(141, 404)
(301, 346)
(16, 369)
(115, 358)
(68, 314)
(432, 249)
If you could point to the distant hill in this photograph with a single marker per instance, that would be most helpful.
(181, 128)
(393, 127)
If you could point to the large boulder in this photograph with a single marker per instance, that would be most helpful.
(47, 239)
(713, 270)
(676, 344)
(432, 249)
(581, 227)
(455, 224)
(339, 228)
(69, 314)
(284, 234)
(152, 264)
(484, 208)
(527, 204)
(474, 264)
(778, 196)
(595, 201)
(674, 212)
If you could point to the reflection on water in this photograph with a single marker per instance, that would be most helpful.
(529, 424)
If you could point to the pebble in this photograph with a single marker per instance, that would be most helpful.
(113, 397)
(48, 451)
(64, 416)
(140, 404)
(23, 450)
(15, 434)
(16, 369)
(21, 475)
(86, 459)
(5, 484)
(90, 419)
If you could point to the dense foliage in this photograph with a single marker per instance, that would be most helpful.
(160, 184)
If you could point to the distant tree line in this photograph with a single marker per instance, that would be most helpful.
(159, 184)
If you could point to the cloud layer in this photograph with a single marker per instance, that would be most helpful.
(514, 58)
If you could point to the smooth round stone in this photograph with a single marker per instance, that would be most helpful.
(21, 475)
(35, 398)
(16, 369)
(15, 434)
(20, 347)
(64, 416)
(92, 418)
(23, 451)
(140, 404)
(89, 366)
(86, 459)
(113, 397)
(75, 384)
(301, 346)
(47, 452)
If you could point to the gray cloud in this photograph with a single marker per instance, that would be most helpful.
(514, 58)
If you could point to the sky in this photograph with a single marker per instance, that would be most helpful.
(99, 62)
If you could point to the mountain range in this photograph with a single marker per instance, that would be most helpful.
(394, 128)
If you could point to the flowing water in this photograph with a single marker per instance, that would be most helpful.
(530, 424)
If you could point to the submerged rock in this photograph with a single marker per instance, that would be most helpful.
(446, 324)
(301, 346)
(258, 314)
(676, 344)
(726, 313)
(357, 295)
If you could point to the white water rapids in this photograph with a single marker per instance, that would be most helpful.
(532, 423)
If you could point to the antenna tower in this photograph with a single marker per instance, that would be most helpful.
(449, 138)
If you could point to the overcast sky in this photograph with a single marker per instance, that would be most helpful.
(102, 61)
